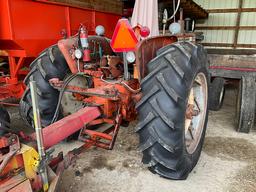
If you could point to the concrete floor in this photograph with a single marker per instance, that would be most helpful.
(227, 163)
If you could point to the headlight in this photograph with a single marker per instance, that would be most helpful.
(130, 57)
(78, 54)
(175, 28)
(100, 30)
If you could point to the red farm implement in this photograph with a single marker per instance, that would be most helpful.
(28, 26)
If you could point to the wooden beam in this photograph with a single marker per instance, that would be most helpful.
(237, 61)
(231, 10)
(232, 74)
(229, 45)
(247, 45)
(231, 51)
(218, 44)
(191, 9)
(225, 27)
(238, 21)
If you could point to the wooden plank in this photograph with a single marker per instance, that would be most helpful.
(232, 66)
(230, 73)
(24, 186)
(235, 61)
(218, 44)
(231, 51)
(12, 182)
(229, 45)
(190, 8)
(225, 27)
(247, 45)
(231, 10)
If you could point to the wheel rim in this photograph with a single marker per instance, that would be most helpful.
(69, 102)
(221, 95)
(196, 112)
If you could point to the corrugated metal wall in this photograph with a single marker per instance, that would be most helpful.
(219, 29)
(248, 19)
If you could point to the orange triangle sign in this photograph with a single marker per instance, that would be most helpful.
(124, 38)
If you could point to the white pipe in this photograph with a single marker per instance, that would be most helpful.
(177, 8)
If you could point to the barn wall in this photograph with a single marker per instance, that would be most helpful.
(221, 29)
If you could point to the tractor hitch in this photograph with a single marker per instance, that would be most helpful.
(60, 130)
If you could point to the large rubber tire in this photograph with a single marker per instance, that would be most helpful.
(4, 120)
(246, 102)
(163, 106)
(50, 64)
(216, 93)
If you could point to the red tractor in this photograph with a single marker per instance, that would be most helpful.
(91, 85)
(164, 81)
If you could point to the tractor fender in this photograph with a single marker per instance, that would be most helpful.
(147, 49)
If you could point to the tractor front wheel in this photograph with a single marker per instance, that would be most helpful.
(173, 111)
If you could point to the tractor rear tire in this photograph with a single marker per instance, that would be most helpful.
(50, 64)
(216, 93)
(246, 101)
(4, 121)
(162, 110)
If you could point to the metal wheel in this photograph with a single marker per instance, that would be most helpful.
(69, 102)
(196, 112)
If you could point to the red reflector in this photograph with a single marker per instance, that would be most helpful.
(144, 32)
(124, 38)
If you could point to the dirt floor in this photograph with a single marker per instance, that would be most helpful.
(227, 163)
